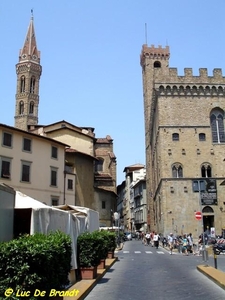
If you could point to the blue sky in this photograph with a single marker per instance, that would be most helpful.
(90, 55)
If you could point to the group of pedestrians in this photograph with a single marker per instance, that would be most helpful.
(150, 239)
(183, 243)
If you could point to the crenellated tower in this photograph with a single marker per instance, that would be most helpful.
(154, 62)
(185, 142)
(28, 72)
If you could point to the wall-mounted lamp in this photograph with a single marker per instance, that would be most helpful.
(169, 212)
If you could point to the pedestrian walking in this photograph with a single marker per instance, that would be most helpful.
(199, 247)
(148, 237)
(190, 247)
(156, 238)
(171, 242)
(151, 236)
(143, 238)
(185, 244)
(164, 241)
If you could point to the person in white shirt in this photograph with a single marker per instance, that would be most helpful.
(148, 237)
(156, 238)
(171, 242)
(190, 243)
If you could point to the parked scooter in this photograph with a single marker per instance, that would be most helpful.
(219, 248)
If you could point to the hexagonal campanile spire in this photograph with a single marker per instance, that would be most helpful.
(28, 72)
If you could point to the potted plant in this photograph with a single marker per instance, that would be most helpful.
(110, 242)
(89, 254)
(104, 248)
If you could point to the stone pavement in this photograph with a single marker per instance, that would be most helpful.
(85, 286)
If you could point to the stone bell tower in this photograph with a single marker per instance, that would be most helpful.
(28, 72)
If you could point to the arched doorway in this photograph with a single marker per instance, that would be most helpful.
(208, 218)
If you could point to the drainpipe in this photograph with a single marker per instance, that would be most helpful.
(64, 188)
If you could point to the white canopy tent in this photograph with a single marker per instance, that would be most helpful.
(45, 219)
(89, 218)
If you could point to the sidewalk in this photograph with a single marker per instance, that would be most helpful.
(214, 274)
(217, 276)
(85, 286)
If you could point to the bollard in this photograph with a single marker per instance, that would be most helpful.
(205, 255)
(215, 257)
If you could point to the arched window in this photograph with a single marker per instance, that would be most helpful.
(22, 84)
(99, 165)
(32, 85)
(207, 209)
(206, 170)
(21, 107)
(220, 90)
(217, 126)
(168, 89)
(177, 170)
(161, 89)
(175, 136)
(157, 64)
(31, 108)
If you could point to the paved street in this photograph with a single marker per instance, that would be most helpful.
(143, 272)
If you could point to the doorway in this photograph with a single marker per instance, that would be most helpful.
(208, 222)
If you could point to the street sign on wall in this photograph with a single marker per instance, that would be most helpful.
(198, 215)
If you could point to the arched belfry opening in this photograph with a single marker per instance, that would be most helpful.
(157, 64)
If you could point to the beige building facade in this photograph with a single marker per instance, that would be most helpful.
(33, 165)
(185, 145)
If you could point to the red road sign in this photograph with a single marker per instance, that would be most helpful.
(198, 215)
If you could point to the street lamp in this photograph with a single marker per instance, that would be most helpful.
(117, 218)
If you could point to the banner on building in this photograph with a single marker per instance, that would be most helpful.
(209, 195)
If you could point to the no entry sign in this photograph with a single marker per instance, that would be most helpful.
(198, 215)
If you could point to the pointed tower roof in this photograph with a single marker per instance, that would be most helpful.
(30, 51)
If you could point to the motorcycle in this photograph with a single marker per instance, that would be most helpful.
(219, 248)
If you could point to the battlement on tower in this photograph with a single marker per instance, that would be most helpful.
(202, 77)
(154, 52)
(162, 73)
